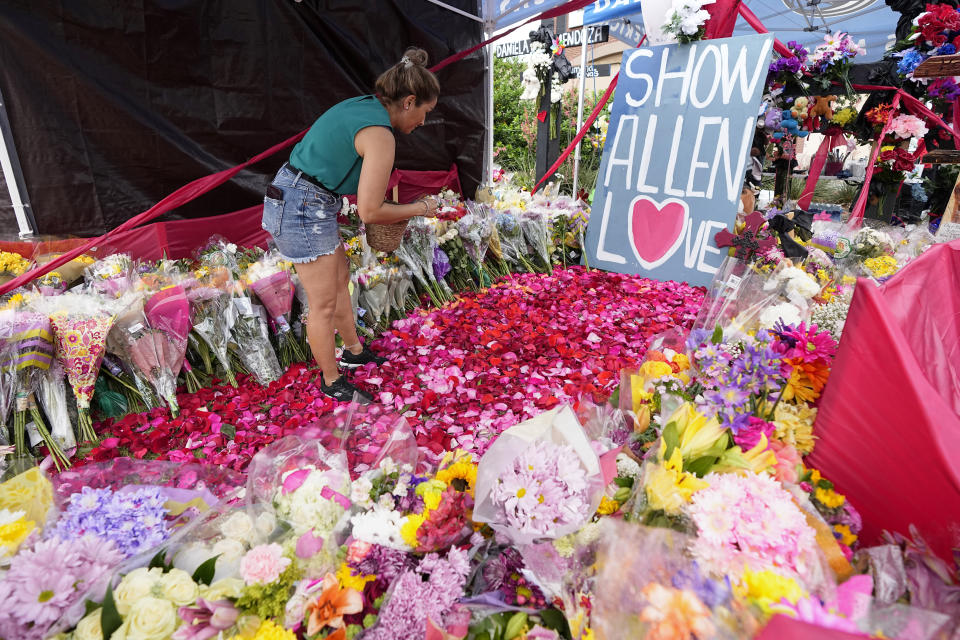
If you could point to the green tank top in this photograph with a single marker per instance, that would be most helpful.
(327, 153)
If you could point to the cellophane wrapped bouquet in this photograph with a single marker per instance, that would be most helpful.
(111, 276)
(26, 355)
(212, 316)
(539, 479)
(270, 279)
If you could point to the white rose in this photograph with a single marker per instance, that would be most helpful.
(223, 589)
(266, 523)
(229, 549)
(151, 619)
(89, 627)
(137, 584)
(238, 526)
(179, 588)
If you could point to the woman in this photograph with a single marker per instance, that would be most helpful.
(349, 149)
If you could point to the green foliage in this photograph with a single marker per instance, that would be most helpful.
(269, 600)
(515, 130)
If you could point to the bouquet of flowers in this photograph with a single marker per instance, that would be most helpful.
(539, 479)
(30, 350)
(12, 265)
(787, 69)
(51, 284)
(212, 316)
(269, 278)
(417, 253)
(52, 395)
(111, 276)
(81, 324)
(250, 335)
(168, 310)
(474, 230)
(536, 230)
(831, 61)
(685, 20)
(510, 236)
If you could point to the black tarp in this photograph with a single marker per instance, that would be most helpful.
(114, 104)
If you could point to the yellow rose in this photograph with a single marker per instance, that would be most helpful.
(179, 588)
(89, 628)
(222, 589)
(30, 492)
(137, 584)
(150, 619)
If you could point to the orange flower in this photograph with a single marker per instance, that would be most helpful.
(328, 609)
(807, 380)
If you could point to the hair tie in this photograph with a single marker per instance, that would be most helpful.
(405, 61)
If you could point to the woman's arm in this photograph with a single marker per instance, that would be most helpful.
(377, 146)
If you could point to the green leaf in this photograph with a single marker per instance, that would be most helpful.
(89, 606)
(110, 618)
(622, 494)
(228, 430)
(717, 336)
(701, 466)
(554, 619)
(159, 561)
(623, 483)
(614, 400)
(515, 625)
(671, 436)
(205, 571)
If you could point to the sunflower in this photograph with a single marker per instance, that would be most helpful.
(461, 475)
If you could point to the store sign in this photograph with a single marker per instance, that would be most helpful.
(629, 29)
(676, 153)
(594, 71)
(595, 34)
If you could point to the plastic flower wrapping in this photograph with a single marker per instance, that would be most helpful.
(269, 278)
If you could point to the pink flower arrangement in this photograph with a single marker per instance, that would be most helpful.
(906, 126)
(750, 520)
(263, 564)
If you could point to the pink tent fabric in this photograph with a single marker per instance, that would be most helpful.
(785, 628)
(889, 419)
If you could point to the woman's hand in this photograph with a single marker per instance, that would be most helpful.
(429, 205)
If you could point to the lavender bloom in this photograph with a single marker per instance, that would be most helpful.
(713, 593)
(383, 562)
(133, 520)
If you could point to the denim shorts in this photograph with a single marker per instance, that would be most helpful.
(303, 222)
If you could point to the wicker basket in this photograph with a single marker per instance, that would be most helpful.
(385, 237)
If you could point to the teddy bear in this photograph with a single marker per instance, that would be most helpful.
(800, 109)
(822, 108)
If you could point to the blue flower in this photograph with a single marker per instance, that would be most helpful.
(946, 49)
(910, 61)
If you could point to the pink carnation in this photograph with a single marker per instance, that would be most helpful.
(906, 126)
(263, 564)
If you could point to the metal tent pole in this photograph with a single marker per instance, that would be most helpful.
(13, 175)
(583, 81)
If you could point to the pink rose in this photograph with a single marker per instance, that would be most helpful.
(263, 564)
(787, 461)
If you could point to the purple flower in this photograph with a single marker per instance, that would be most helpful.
(383, 562)
(133, 520)
(748, 436)
(427, 593)
(713, 593)
(206, 620)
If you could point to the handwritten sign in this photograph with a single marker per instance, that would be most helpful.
(677, 149)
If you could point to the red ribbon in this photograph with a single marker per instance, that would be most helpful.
(833, 139)
(856, 216)
(201, 186)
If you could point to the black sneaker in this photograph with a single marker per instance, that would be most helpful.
(352, 360)
(342, 391)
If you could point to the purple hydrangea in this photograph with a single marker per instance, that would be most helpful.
(133, 520)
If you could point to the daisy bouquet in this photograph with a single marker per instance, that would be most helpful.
(269, 278)
(539, 479)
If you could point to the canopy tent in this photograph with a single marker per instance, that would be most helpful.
(114, 106)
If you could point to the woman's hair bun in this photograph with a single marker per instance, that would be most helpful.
(416, 56)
